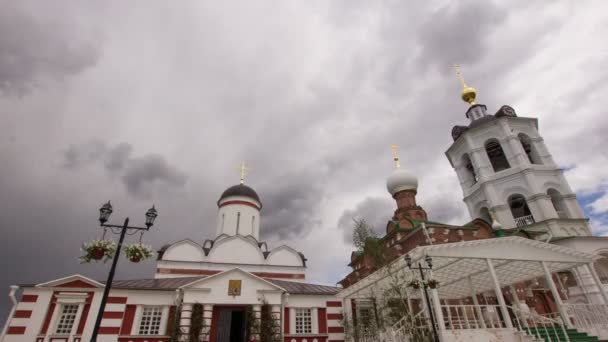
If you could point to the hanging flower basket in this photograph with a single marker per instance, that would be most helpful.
(415, 284)
(432, 283)
(98, 250)
(137, 252)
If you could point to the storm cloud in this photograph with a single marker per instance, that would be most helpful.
(160, 104)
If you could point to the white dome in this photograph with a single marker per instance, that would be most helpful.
(400, 180)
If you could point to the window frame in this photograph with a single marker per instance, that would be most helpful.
(306, 328)
(60, 314)
(162, 322)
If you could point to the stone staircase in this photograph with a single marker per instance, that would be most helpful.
(555, 334)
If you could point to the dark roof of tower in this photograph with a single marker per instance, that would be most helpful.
(240, 190)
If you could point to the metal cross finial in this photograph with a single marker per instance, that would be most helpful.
(395, 148)
(244, 170)
(459, 75)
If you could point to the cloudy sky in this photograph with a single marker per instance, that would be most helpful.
(158, 102)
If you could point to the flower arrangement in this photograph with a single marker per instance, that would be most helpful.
(98, 250)
(432, 283)
(415, 284)
(137, 252)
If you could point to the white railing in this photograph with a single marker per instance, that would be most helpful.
(410, 328)
(548, 327)
(524, 220)
(468, 317)
(591, 318)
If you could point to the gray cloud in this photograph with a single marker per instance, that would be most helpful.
(457, 33)
(376, 211)
(312, 96)
(50, 44)
(139, 174)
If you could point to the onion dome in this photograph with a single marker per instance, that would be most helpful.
(240, 190)
(400, 180)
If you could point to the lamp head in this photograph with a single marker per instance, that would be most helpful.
(429, 261)
(408, 260)
(151, 215)
(104, 212)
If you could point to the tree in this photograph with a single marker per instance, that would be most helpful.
(361, 233)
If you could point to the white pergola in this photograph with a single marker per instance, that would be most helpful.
(467, 268)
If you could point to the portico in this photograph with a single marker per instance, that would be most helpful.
(482, 283)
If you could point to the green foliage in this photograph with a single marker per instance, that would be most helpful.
(196, 322)
(270, 329)
(173, 325)
(106, 248)
(138, 251)
(361, 233)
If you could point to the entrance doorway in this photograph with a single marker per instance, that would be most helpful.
(229, 324)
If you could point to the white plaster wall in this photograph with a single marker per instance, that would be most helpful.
(34, 323)
(228, 266)
(227, 218)
(214, 290)
(185, 251)
(236, 249)
(284, 256)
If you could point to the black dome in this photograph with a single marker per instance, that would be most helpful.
(240, 190)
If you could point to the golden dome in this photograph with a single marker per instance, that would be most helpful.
(468, 95)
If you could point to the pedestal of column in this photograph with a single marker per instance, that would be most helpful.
(184, 321)
(276, 319)
(207, 320)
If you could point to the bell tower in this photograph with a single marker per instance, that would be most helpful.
(506, 171)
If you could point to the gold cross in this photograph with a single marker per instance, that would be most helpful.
(396, 156)
(244, 170)
(459, 75)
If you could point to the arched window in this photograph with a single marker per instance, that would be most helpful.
(601, 267)
(497, 156)
(558, 203)
(531, 152)
(484, 213)
(470, 170)
(521, 212)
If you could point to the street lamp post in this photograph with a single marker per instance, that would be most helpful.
(104, 215)
(429, 262)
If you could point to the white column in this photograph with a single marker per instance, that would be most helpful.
(184, 321)
(276, 317)
(581, 284)
(207, 320)
(482, 322)
(556, 296)
(598, 282)
(437, 305)
(498, 292)
(257, 313)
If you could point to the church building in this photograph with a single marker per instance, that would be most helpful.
(232, 288)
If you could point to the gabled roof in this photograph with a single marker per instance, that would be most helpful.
(234, 270)
(76, 280)
(293, 287)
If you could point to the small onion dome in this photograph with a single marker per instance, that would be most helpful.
(240, 190)
(468, 95)
(401, 180)
(496, 225)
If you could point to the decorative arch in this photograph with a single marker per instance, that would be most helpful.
(236, 249)
(516, 190)
(285, 256)
(558, 203)
(184, 250)
(496, 154)
(467, 165)
(529, 148)
(520, 210)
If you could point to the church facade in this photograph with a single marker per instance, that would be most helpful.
(232, 288)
